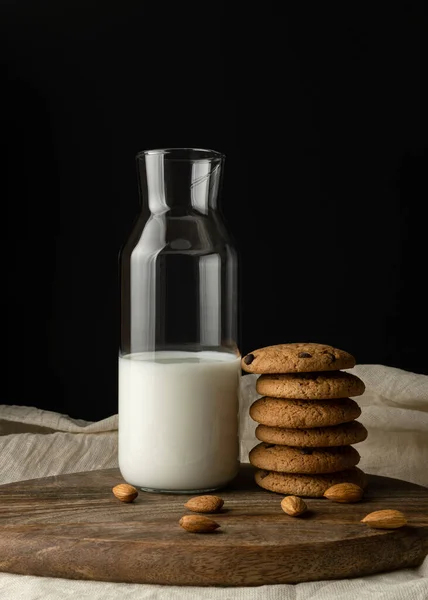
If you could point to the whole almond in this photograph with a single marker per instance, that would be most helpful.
(198, 524)
(293, 506)
(344, 492)
(125, 492)
(385, 519)
(205, 504)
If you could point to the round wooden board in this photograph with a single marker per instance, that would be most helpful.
(72, 526)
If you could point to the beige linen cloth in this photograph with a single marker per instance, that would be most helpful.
(36, 443)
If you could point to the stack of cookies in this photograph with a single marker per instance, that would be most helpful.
(306, 418)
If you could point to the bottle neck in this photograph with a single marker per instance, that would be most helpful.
(180, 181)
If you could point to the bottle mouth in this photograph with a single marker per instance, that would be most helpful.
(190, 154)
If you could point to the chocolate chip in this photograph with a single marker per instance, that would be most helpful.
(306, 451)
(332, 357)
(249, 359)
(304, 355)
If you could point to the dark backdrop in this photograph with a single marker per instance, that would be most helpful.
(322, 118)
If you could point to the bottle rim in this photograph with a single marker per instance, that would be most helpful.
(190, 154)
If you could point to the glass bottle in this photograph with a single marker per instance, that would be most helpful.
(179, 365)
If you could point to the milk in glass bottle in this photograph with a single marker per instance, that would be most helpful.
(179, 365)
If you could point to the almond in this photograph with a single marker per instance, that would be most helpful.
(385, 519)
(293, 506)
(205, 504)
(344, 492)
(198, 524)
(125, 492)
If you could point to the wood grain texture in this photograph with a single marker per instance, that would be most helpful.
(72, 526)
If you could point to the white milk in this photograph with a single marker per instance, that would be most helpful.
(178, 420)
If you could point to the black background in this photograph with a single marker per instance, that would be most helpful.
(322, 118)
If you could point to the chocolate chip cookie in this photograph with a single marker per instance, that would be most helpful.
(287, 459)
(310, 486)
(334, 435)
(296, 358)
(336, 384)
(303, 414)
